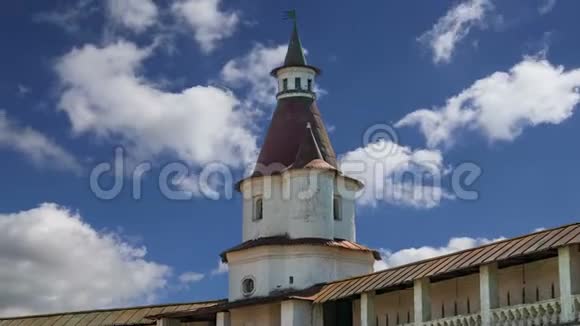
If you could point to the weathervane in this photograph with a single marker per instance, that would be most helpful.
(290, 15)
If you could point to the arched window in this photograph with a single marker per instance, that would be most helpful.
(310, 84)
(258, 208)
(336, 211)
(297, 83)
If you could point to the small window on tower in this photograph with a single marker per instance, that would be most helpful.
(285, 84)
(297, 83)
(258, 209)
(248, 286)
(336, 208)
(310, 84)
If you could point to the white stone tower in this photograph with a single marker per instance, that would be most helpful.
(298, 208)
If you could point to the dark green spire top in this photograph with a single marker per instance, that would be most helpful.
(295, 54)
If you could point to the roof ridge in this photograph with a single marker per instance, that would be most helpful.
(454, 253)
(109, 309)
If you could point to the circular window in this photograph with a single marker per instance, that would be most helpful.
(248, 285)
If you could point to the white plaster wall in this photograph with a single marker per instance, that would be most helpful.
(299, 203)
(291, 73)
(455, 291)
(258, 315)
(393, 304)
(272, 266)
(539, 274)
(296, 313)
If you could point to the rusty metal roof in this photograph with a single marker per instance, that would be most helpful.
(106, 317)
(286, 135)
(286, 241)
(538, 244)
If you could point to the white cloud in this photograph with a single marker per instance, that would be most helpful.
(35, 146)
(222, 268)
(410, 255)
(396, 174)
(253, 71)
(454, 27)
(209, 24)
(104, 94)
(547, 6)
(51, 260)
(190, 277)
(23, 90)
(136, 15)
(503, 104)
(69, 19)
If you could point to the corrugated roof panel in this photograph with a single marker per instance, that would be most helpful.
(125, 316)
(62, 321)
(75, 318)
(27, 322)
(139, 316)
(87, 318)
(567, 238)
(111, 318)
(514, 245)
(556, 235)
(531, 240)
(498, 251)
(52, 320)
(101, 317)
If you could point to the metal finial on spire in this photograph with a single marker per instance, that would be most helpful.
(290, 15)
(295, 54)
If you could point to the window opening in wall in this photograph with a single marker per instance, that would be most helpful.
(310, 84)
(408, 316)
(258, 208)
(509, 301)
(398, 320)
(537, 294)
(468, 306)
(285, 84)
(553, 291)
(291, 279)
(442, 310)
(248, 286)
(297, 83)
(455, 308)
(386, 319)
(336, 208)
(523, 283)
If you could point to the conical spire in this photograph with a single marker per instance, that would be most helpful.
(295, 54)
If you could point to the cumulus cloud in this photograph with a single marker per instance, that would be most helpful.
(546, 6)
(454, 27)
(104, 93)
(253, 71)
(51, 260)
(209, 24)
(70, 18)
(136, 15)
(190, 277)
(396, 174)
(502, 105)
(35, 146)
(222, 268)
(410, 255)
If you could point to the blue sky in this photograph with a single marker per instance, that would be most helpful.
(481, 81)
